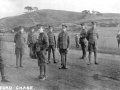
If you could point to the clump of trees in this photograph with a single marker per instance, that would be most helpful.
(30, 9)
(88, 12)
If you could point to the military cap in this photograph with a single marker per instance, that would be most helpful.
(64, 25)
(94, 23)
(21, 27)
(32, 27)
(82, 24)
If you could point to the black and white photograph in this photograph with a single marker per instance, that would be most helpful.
(59, 44)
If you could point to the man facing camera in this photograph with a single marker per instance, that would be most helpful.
(20, 41)
(52, 44)
(92, 37)
(63, 44)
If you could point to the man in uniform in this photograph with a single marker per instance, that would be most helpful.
(77, 40)
(83, 41)
(92, 37)
(63, 44)
(20, 41)
(41, 46)
(1, 61)
(31, 42)
(52, 44)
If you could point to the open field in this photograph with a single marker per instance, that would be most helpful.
(78, 76)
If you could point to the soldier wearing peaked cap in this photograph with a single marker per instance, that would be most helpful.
(52, 44)
(20, 40)
(83, 41)
(92, 37)
(63, 44)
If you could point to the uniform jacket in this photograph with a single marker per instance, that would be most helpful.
(92, 35)
(43, 41)
(31, 38)
(118, 36)
(83, 35)
(20, 39)
(51, 38)
(63, 41)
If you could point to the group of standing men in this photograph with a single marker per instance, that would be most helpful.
(40, 43)
(88, 39)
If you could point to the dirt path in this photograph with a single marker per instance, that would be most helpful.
(78, 76)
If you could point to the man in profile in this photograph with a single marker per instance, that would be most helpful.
(20, 42)
(63, 44)
(92, 37)
(83, 41)
(52, 44)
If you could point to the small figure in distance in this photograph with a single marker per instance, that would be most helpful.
(77, 40)
(118, 38)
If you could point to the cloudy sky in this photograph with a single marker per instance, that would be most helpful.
(16, 7)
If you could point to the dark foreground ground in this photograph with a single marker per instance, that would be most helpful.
(78, 76)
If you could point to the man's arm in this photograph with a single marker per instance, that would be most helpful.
(15, 38)
(46, 42)
(55, 40)
(28, 39)
(87, 35)
(68, 41)
(58, 41)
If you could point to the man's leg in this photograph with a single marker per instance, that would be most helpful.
(65, 61)
(62, 58)
(41, 76)
(82, 48)
(2, 73)
(90, 54)
(21, 56)
(17, 58)
(49, 53)
(53, 51)
(95, 56)
(84, 51)
(45, 70)
(17, 53)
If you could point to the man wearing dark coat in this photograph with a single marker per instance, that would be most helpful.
(52, 44)
(63, 44)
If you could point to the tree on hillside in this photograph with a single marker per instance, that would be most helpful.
(96, 13)
(35, 8)
(28, 8)
(86, 12)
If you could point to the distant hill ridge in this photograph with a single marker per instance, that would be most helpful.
(53, 17)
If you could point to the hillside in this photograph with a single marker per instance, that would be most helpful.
(54, 17)
(42, 16)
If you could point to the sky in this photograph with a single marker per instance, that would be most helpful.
(16, 7)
